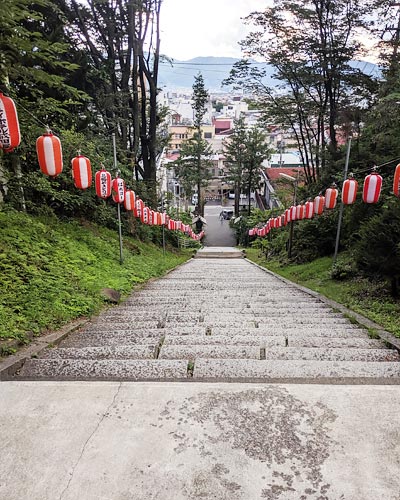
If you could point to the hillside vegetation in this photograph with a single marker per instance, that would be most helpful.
(371, 298)
(52, 272)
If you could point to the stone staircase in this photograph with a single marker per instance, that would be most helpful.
(216, 319)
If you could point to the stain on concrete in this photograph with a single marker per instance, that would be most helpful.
(271, 427)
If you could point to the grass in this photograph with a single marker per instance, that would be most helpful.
(371, 299)
(52, 272)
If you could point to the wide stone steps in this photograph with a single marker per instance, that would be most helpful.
(216, 319)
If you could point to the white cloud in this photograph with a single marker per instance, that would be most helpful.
(193, 28)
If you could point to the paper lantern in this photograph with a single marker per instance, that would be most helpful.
(130, 200)
(319, 203)
(372, 188)
(138, 208)
(293, 213)
(396, 181)
(300, 212)
(349, 191)
(278, 222)
(309, 210)
(118, 190)
(151, 217)
(102, 182)
(171, 225)
(288, 216)
(81, 172)
(331, 197)
(10, 136)
(144, 217)
(49, 152)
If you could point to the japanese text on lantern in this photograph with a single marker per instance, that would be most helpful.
(5, 138)
(103, 184)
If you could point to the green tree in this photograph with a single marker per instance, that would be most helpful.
(310, 44)
(244, 152)
(193, 167)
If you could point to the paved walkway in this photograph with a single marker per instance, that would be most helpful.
(185, 438)
(218, 232)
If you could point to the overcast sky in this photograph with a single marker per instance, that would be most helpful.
(192, 28)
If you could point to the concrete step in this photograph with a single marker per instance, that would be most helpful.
(212, 369)
(236, 340)
(334, 342)
(192, 352)
(121, 325)
(331, 354)
(148, 351)
(293, 331)
(113, 339)
(105, 369)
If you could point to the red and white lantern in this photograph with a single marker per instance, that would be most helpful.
(349, 191)
(331, 197)
(309, 210)
(102, 182)
(171, 225)
(372, 188)
(130, 200)
(138, 208)
(49, 152)
(145, 213)
(288, 216)
(118, 190)
(293, 213)
(10, 136)
(396, 182)
(319, 203)
(81, 172)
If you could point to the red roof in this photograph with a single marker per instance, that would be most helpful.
(273, 173)
(222, 124)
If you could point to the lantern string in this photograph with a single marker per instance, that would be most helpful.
(32, 115)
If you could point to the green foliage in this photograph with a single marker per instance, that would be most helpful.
(369, 298)
(52, 272)
(377, 251)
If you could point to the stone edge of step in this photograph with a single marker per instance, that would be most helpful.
(384, 335)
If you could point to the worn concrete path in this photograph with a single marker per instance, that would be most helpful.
(180, 441)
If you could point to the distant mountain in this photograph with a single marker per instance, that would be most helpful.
(180, 74)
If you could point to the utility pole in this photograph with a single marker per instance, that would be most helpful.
(339, 227)
(118, 204)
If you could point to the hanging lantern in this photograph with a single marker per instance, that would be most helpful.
(81, 172)
(130, 200)
(145, 215)
(171, 225)
(151, 217)
(309, 210)
(331, 197)
(139, 205)
(372, 188)
(288, 216)
(299, 212)
(283, 223)
(10, 136)
(278, 222)
(349, 191)
(49, 152)
(319, 203)
(102, 182)
(118, 190)
(396, 181)
(293, 213)
(271, 223)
